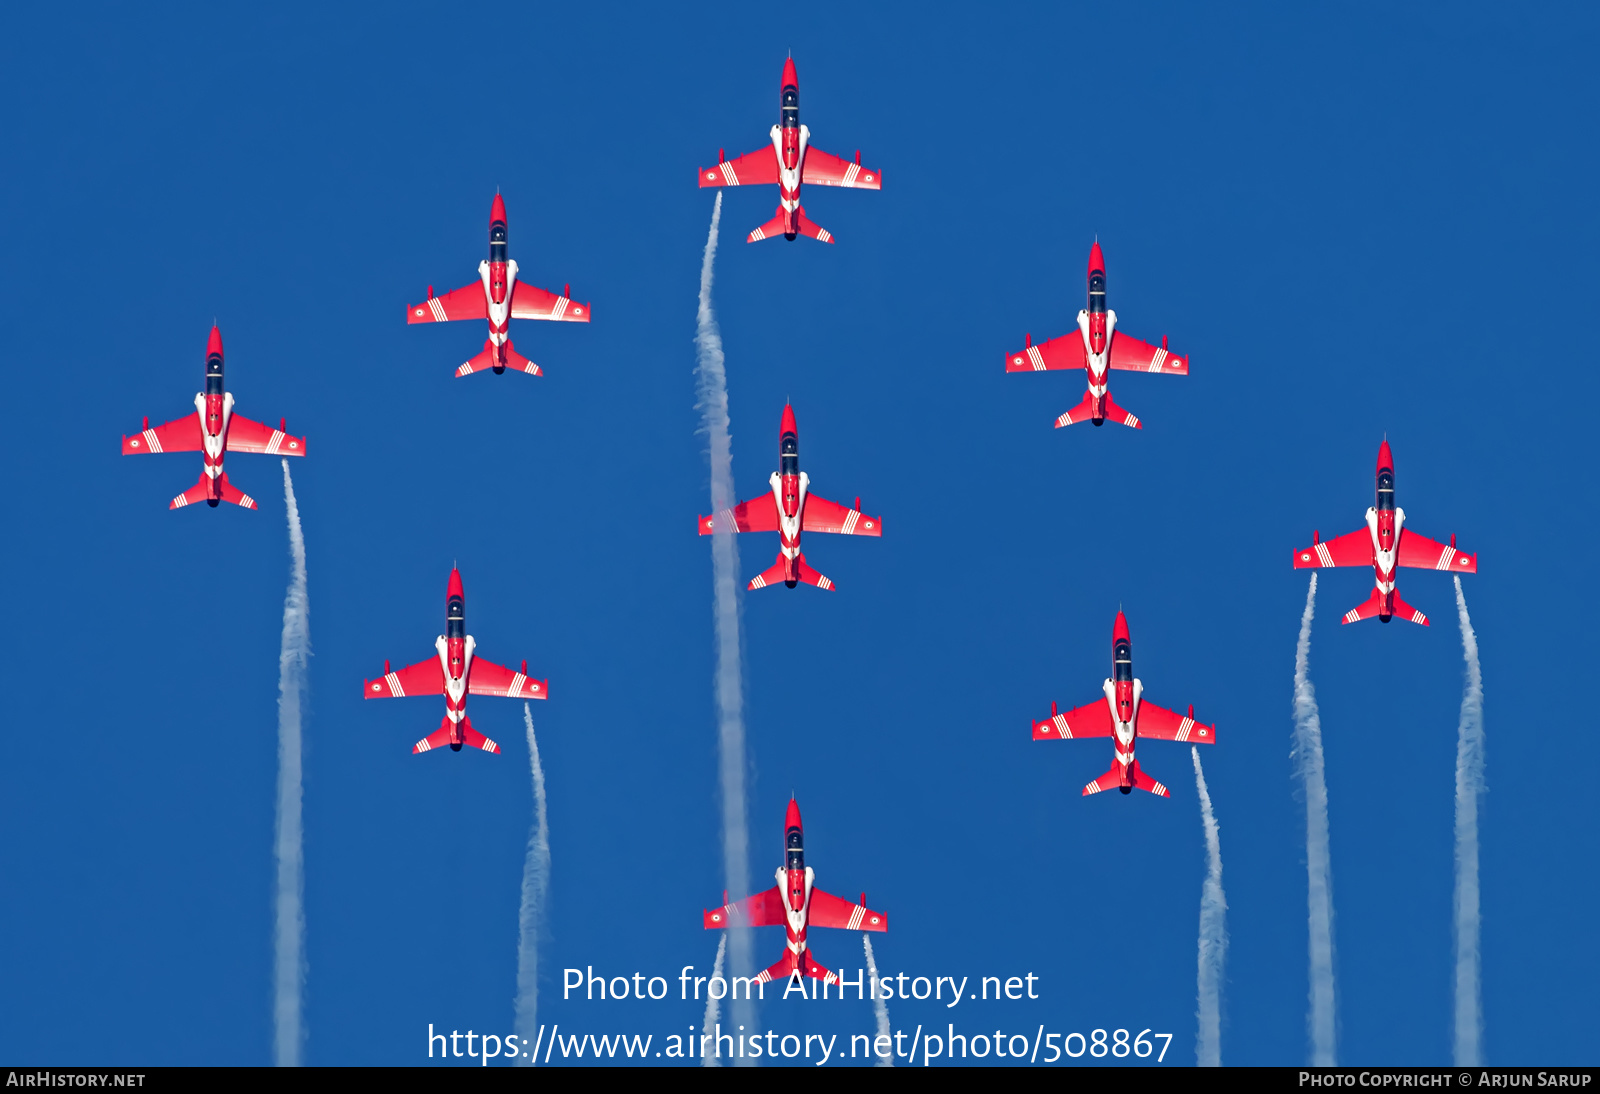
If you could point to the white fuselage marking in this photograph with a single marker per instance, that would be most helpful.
(1385, 560)
(789, 526)
(789, 180)
(1098, 362)
(797, 920)
(214, 445)
(455, 688)
(499, 314)
(1123, 730)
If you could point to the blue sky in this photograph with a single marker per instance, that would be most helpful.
(1358, 221)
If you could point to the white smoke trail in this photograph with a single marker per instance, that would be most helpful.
(711, 1059)
(1307, 754)
(1213, 931)
(712, 384)
(1469, 789)
(289, 961)
(879, 1008)
(535, 889)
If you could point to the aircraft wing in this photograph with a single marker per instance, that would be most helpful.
(423, 678)
(467, 302)
(1351, 549)
(528, 302)
(828, 910)
(756, 515)
(1058, 353)
(1092, 720)
(1161, 724)
(488, 678)
(1424, 554)
(825, 169)
(762, 910)
(183, 435)
(1127, 352)
(822, 515)
(247, 436)
(754, 169)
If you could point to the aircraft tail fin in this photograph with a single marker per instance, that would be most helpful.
(810, 576)
(1375, 604)
(475, 739)
(1083, 412)
(778, 572)
(490, 358)
(1107, 409)
(437, 739)
(1141, 781)
(1115, 413)
(1112, 780)
(772, 229)
(226, 491)
(808, 228)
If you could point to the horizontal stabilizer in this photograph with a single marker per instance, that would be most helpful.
(1385, 608)
(810, 576)
(807, 228)
(226, 491)
(491, 357)
(475, 739)
(1107, 410)
(789, 964)
(776, 573)
(1112, 780)
(437, 739)
(772, 229)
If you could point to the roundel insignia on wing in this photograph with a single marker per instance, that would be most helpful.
(716, 917)
(1305, 556)
(377, 687)
(1202, 733)
(1016, 360)
(577, 311)
(133, 444)
(533, 687)
(1464, 559)
(711, 174)
(419, 311)
(868, 178)
(866, 524)
(874, 919)
(294, 444)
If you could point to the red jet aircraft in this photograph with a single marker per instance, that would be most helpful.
(499, 298)
(790, 509)
(456, 673)
(216, 430)
(795, 904)
(1384, 544)
(789, 162)
(1125, 715)
(1097, 345)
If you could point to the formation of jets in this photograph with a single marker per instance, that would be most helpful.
(790, 509)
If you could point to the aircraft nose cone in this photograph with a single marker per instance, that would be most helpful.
(214, 343)
(1385, 457)
(790, 79)
(497, 211)
(787, 425)
(1097, 260)
(792, 818)
(455, 584)
(1119, 630)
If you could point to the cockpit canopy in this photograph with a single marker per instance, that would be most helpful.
(455, 615)
(1386, 489)
(1122, 660)
(1097, 287)
(789, 445)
